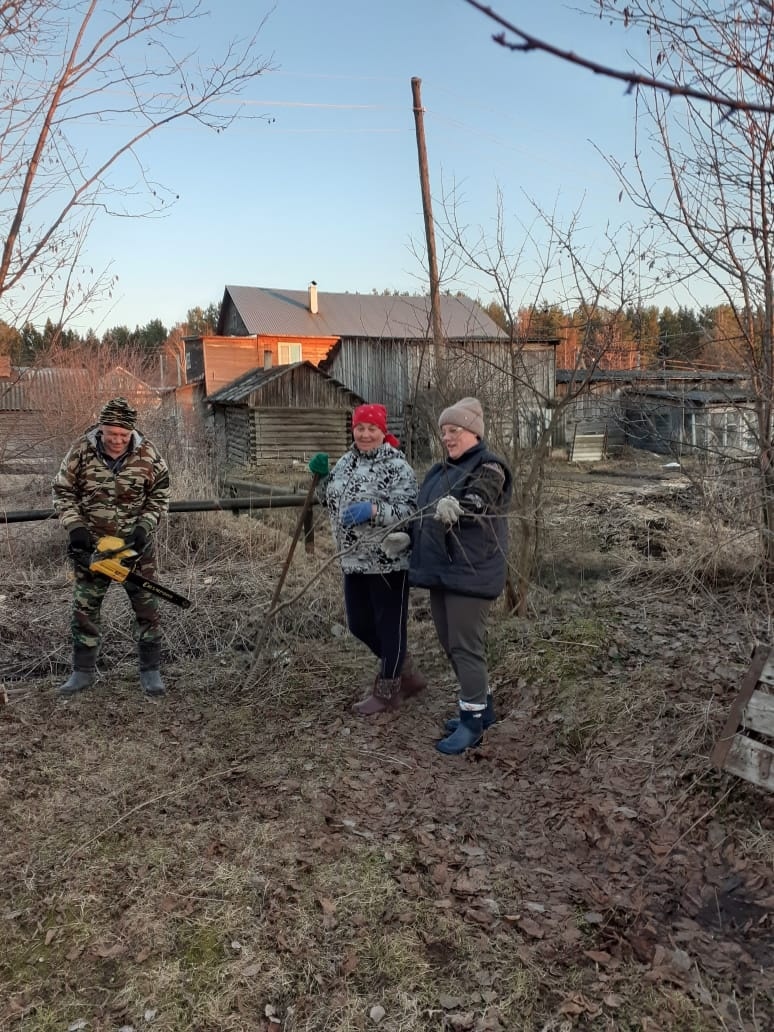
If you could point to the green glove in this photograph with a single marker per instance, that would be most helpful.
(318, 464)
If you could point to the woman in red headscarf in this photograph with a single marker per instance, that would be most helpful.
(371, 496)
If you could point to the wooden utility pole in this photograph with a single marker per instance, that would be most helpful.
(427, 208)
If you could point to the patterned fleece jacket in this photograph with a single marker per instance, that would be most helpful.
(88, 493)
(381, 476)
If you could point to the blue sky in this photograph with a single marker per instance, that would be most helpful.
(330, 189)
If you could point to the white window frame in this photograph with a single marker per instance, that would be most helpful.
(288, 352)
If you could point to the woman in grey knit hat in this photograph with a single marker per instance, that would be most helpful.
(460, 553)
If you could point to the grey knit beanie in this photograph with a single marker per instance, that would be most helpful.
(467, 412)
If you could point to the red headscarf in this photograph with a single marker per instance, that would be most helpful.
(376, 415)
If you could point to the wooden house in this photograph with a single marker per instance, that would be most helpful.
(288, 411)
(381, 348)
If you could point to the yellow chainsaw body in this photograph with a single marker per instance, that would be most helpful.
(111, 566)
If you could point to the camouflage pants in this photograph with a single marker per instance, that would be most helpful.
(89, 592)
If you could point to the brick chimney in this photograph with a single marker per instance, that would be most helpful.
(5, 365)
(313, 297)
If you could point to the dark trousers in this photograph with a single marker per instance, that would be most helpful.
(377, 612)
(460, 623)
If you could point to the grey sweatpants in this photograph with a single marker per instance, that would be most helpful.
(460, 623)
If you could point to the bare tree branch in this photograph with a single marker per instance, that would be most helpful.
(632, 79)
(64, 66)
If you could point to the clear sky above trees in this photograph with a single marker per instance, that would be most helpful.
(326, 186)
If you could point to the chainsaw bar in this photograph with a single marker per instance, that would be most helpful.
(158, 589)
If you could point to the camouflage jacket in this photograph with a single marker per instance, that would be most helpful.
(87, 493)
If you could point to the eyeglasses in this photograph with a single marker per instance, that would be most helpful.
(451, 431)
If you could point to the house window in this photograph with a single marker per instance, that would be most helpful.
(288, 353)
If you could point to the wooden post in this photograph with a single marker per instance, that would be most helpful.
(427, 208)
(309, 530)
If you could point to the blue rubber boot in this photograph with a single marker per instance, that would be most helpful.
(489, 716)
(468, 734)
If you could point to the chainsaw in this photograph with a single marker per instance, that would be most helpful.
(107, 561)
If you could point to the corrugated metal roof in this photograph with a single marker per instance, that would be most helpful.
(266, 310)
(245, 384)
(645, 375)
(731, 396)
(31, 389)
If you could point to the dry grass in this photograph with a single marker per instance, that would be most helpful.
(244, 856)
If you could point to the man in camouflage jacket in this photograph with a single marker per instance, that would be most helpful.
(112, 481)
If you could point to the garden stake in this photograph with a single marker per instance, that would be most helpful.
(261, 641)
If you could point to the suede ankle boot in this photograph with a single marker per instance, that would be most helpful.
(385, 696)
(468, 734)
(412, 681)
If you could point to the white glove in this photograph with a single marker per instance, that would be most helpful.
(395, 543)
(448, 510)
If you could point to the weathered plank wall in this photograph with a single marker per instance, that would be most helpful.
(237, 435)
(298, 433)
(515, 382)
(302, 388)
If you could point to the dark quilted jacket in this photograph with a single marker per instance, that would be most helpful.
(471, 556)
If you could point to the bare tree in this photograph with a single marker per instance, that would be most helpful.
(714, 204)
(512, 376)
(67, 66)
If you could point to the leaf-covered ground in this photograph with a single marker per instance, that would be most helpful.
(248, 855)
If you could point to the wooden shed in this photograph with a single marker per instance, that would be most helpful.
(629, 406)
(288, 411)
(709, 423)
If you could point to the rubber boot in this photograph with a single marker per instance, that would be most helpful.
(84, 667)
(468, 734)
(149, 653)
(489, 716)
(385, 696)
(412, 681)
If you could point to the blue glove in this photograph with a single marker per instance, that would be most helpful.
(357, 512)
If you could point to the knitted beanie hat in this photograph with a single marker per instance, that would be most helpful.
(118, 412)
(467, 413)
(374, 414)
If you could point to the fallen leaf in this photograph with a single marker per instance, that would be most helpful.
(102, 949)
(612, 1000)
(450, 1002)
(598, 956)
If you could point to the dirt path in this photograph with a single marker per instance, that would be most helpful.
(238, 858)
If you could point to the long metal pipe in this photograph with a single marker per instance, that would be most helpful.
(191, 505)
